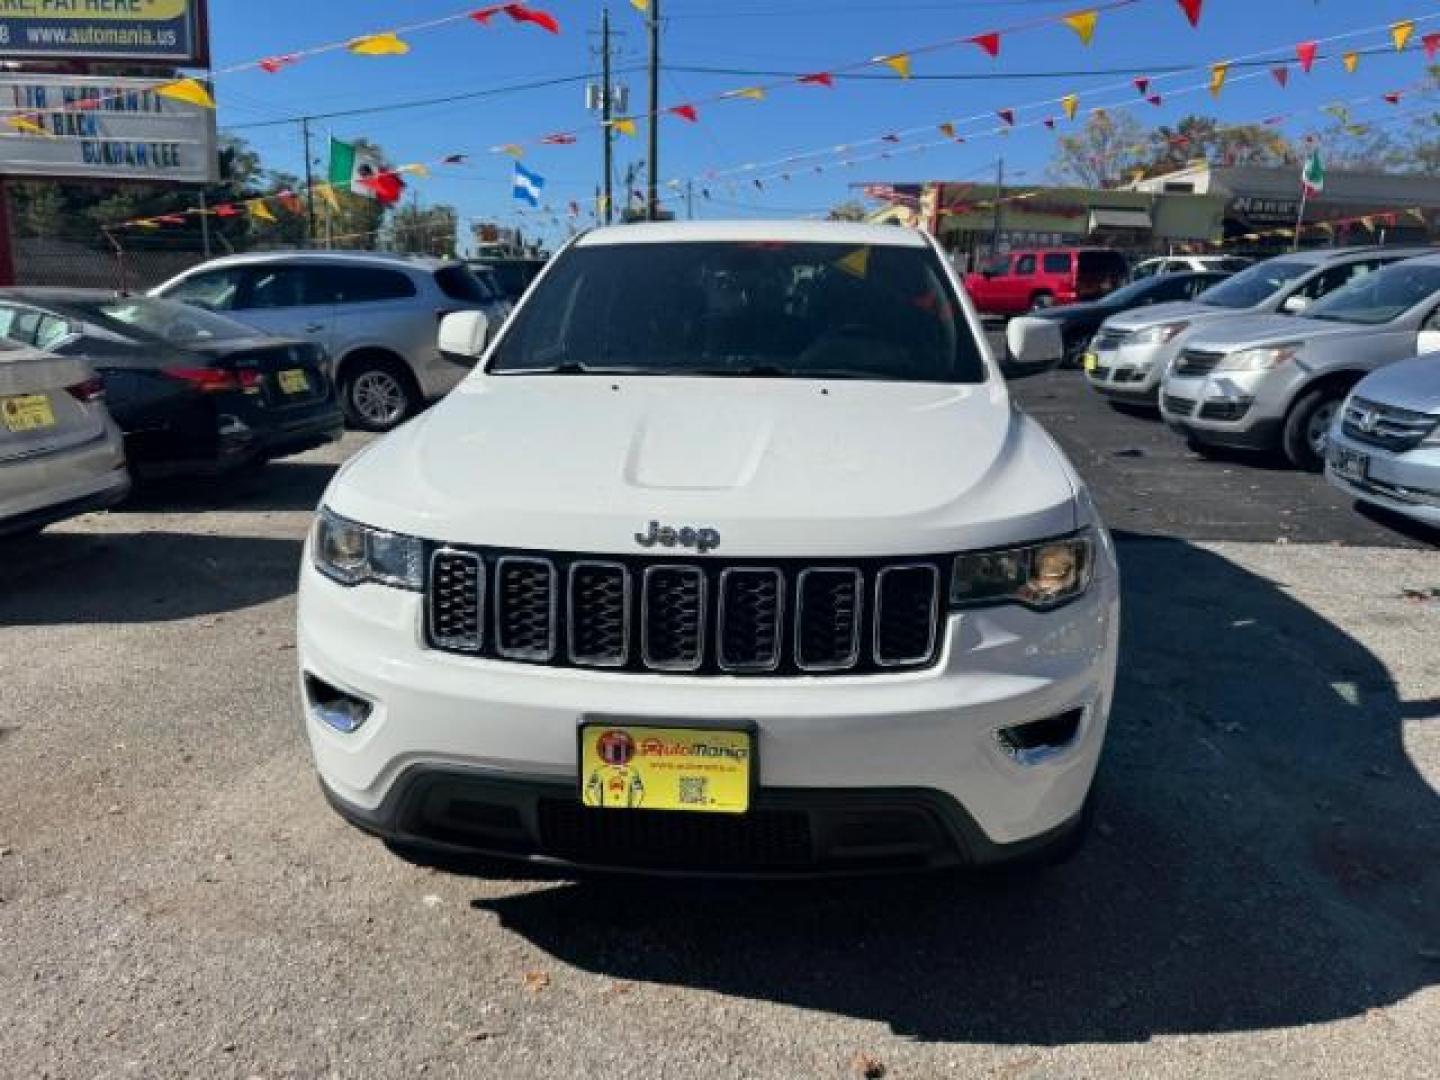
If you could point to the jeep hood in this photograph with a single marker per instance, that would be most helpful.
(779, 467)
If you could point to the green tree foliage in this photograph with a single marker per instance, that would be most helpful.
(430, 230)
(1222, 144)
(847, 211)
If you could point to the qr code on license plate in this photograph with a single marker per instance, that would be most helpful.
(694, 790)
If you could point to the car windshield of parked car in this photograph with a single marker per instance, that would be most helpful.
(1255, 284)
(1136, 292)
(1379, 298)
(165, 320)
(771, 309)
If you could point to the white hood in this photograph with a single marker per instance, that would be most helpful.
(1142, 318)
(778, 467)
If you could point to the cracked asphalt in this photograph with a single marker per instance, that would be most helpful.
(1261, 896)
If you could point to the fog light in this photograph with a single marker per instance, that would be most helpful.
(1034, 742)
(334, 707)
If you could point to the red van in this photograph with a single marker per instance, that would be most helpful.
(1027, 280)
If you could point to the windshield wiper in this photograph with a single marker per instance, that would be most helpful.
(774, 371)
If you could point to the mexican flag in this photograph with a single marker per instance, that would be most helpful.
(1312, 176)
(357, 169)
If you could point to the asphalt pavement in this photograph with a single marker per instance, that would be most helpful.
(1261, 896)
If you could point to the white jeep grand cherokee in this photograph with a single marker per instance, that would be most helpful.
(732, 555)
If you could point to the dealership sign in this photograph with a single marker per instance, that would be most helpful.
(170, 31)
(97, 128)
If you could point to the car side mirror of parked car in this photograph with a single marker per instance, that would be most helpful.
(1034, 341)
(464, 335)
(1293, 305)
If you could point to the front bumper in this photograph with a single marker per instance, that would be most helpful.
(1406, 484)
(1243, 410)
(927, 739)
(1129, 372)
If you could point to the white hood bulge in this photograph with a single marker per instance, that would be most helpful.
(778, 467)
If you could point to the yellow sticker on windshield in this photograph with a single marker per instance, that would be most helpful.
(856, 264)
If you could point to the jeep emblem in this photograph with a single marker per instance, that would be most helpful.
(702, 540)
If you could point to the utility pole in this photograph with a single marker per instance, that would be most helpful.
(204, 225)
(999, 189)
(309, 184)
(606, 134)
(652, 193)
(690, 200)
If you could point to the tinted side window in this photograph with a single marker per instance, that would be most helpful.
(458, 283)
(214, 290)
(1057, 263)
(1024, 266)
(1196, 285)
(21, 324)
(50, 331)
(358, 284)
(274, 287)
(1172, 287)
(1326, 282)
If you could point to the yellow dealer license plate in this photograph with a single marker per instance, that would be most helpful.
(635, 767)
(1090, 361)
(28, 412)
(294, 382)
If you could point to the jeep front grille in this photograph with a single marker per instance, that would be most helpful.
(702, 617)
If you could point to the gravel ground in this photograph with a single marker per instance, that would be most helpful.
(1261, 897)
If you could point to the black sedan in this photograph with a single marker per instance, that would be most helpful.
(1077, 323)
(195, 393)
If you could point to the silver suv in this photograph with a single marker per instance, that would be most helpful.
(1131, 352)
(377, 316)
(1278, 382)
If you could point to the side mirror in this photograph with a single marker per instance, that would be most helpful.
(1293, 305)
(1428, 341)
(1035, 341)
(464, 335)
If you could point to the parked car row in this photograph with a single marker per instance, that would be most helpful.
(1330, 357)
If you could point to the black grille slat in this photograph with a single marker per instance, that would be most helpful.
(752, 606)
(829, 604)
(599, 614)
(1197, 362)
(525, 601)
(673, 631)
(1178, 405)
(457, 589)
(906, 599)
(703, 617)
(655, 838)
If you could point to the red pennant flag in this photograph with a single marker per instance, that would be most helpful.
(387, 187)
(1008, 115)
(890, 138)
(226, 210)
(454, 159)
(1306, 51)
(686, 112)
(1281, 74)
(1271, 121)
(1142, 84)
(1432, 45)
(1049, 122)
(989, 42)
(1156, 100)
(1392, 98)
(819, 78)
(542, 19)
(1192, 10)
(272, 64)
(170, 219)
(560, 138)
(484, 15)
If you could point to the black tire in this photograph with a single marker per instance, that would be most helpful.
(1305, 434)
(377, 393)
(1042, 300)
(1204, 450)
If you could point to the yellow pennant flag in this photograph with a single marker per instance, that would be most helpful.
(624, 125)
(1071, 104)
(899, 63)
(1325, 227)
(327, 192)
(190, 91)
(1351, 60)
(754, 93)
(515, 150)
(1083, 23)
(856, 264)
(146, 223)
(25, 124)
(1369, 223)
(641, 5)
(1401, 32)
(1137, 176)
(1218, 74)
(258, 209)
(386, 44)
(417, 169)
(947, 129)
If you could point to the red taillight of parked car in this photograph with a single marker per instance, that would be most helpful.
(92, 389)
(217, 380)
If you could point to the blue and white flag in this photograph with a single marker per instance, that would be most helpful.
(527, 185)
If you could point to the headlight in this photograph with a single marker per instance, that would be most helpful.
(1159, 335)
(1039, 576)
(351, 553)
(1272, 356)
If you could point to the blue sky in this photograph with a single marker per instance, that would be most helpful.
(778, 35)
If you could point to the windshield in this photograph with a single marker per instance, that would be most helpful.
(1136, 291)
(1255, 284)
(759, 309)
(1380, 297)
(167, 320)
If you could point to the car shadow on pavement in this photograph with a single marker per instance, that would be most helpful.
(60, 577)
(280, 485)
(1266, 855)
